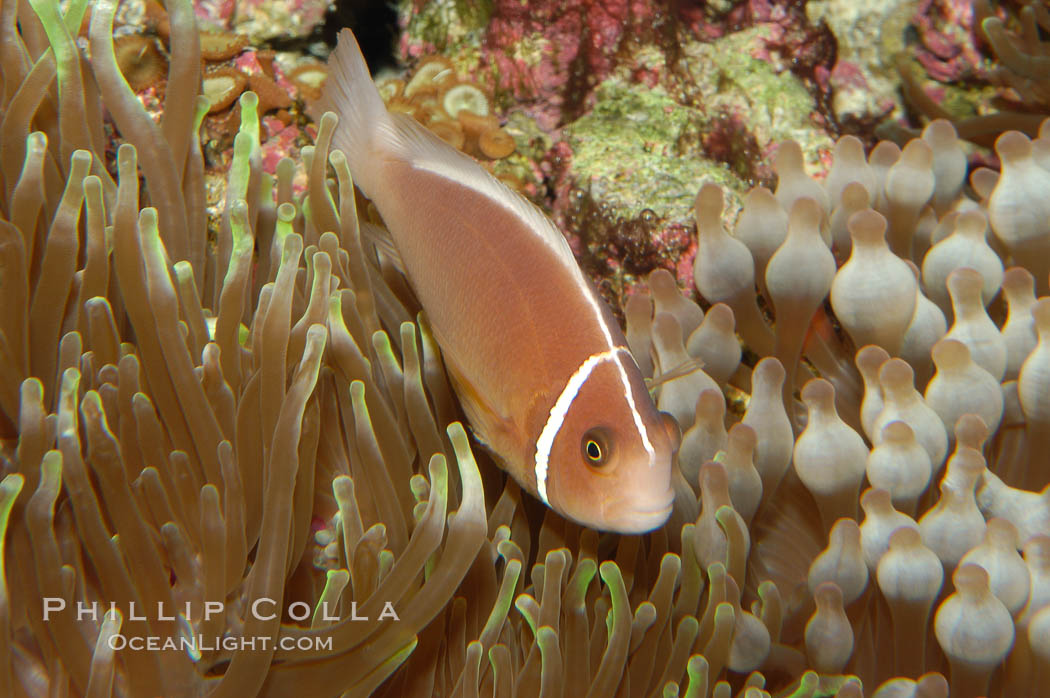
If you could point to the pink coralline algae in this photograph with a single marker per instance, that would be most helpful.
(215, 13)
(702, 22)
(767, 11)
(280, 140)
(683, 239)
(729, 140)
(256, 63)
(575, 46)
(948, 41)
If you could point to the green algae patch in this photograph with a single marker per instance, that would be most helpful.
(644, 148)
(769, 101)
(447, 25)
(638, 149)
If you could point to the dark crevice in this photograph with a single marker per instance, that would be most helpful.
(373, 23)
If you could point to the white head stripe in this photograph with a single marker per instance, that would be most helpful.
(634, 408)
(561, 409)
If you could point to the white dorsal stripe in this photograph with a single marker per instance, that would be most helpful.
(428, 152)
(561, 408)
(406, 139)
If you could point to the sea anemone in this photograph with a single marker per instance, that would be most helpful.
(137, 489)
(1020, 72)
(140, 61)
(220, 46)
(309, 78)
(222, 87)
(196, 422)
(895, 428)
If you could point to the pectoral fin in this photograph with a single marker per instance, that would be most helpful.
(492, 428)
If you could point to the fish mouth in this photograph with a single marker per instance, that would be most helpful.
(624, 518)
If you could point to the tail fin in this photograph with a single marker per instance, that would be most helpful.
(351, 94)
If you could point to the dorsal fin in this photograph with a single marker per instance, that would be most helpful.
(426, 151)
(367, 131)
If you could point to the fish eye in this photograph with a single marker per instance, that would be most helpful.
(595, 448)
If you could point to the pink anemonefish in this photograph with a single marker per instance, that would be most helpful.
(537, 359)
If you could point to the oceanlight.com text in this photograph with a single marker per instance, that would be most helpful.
(199, 644)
